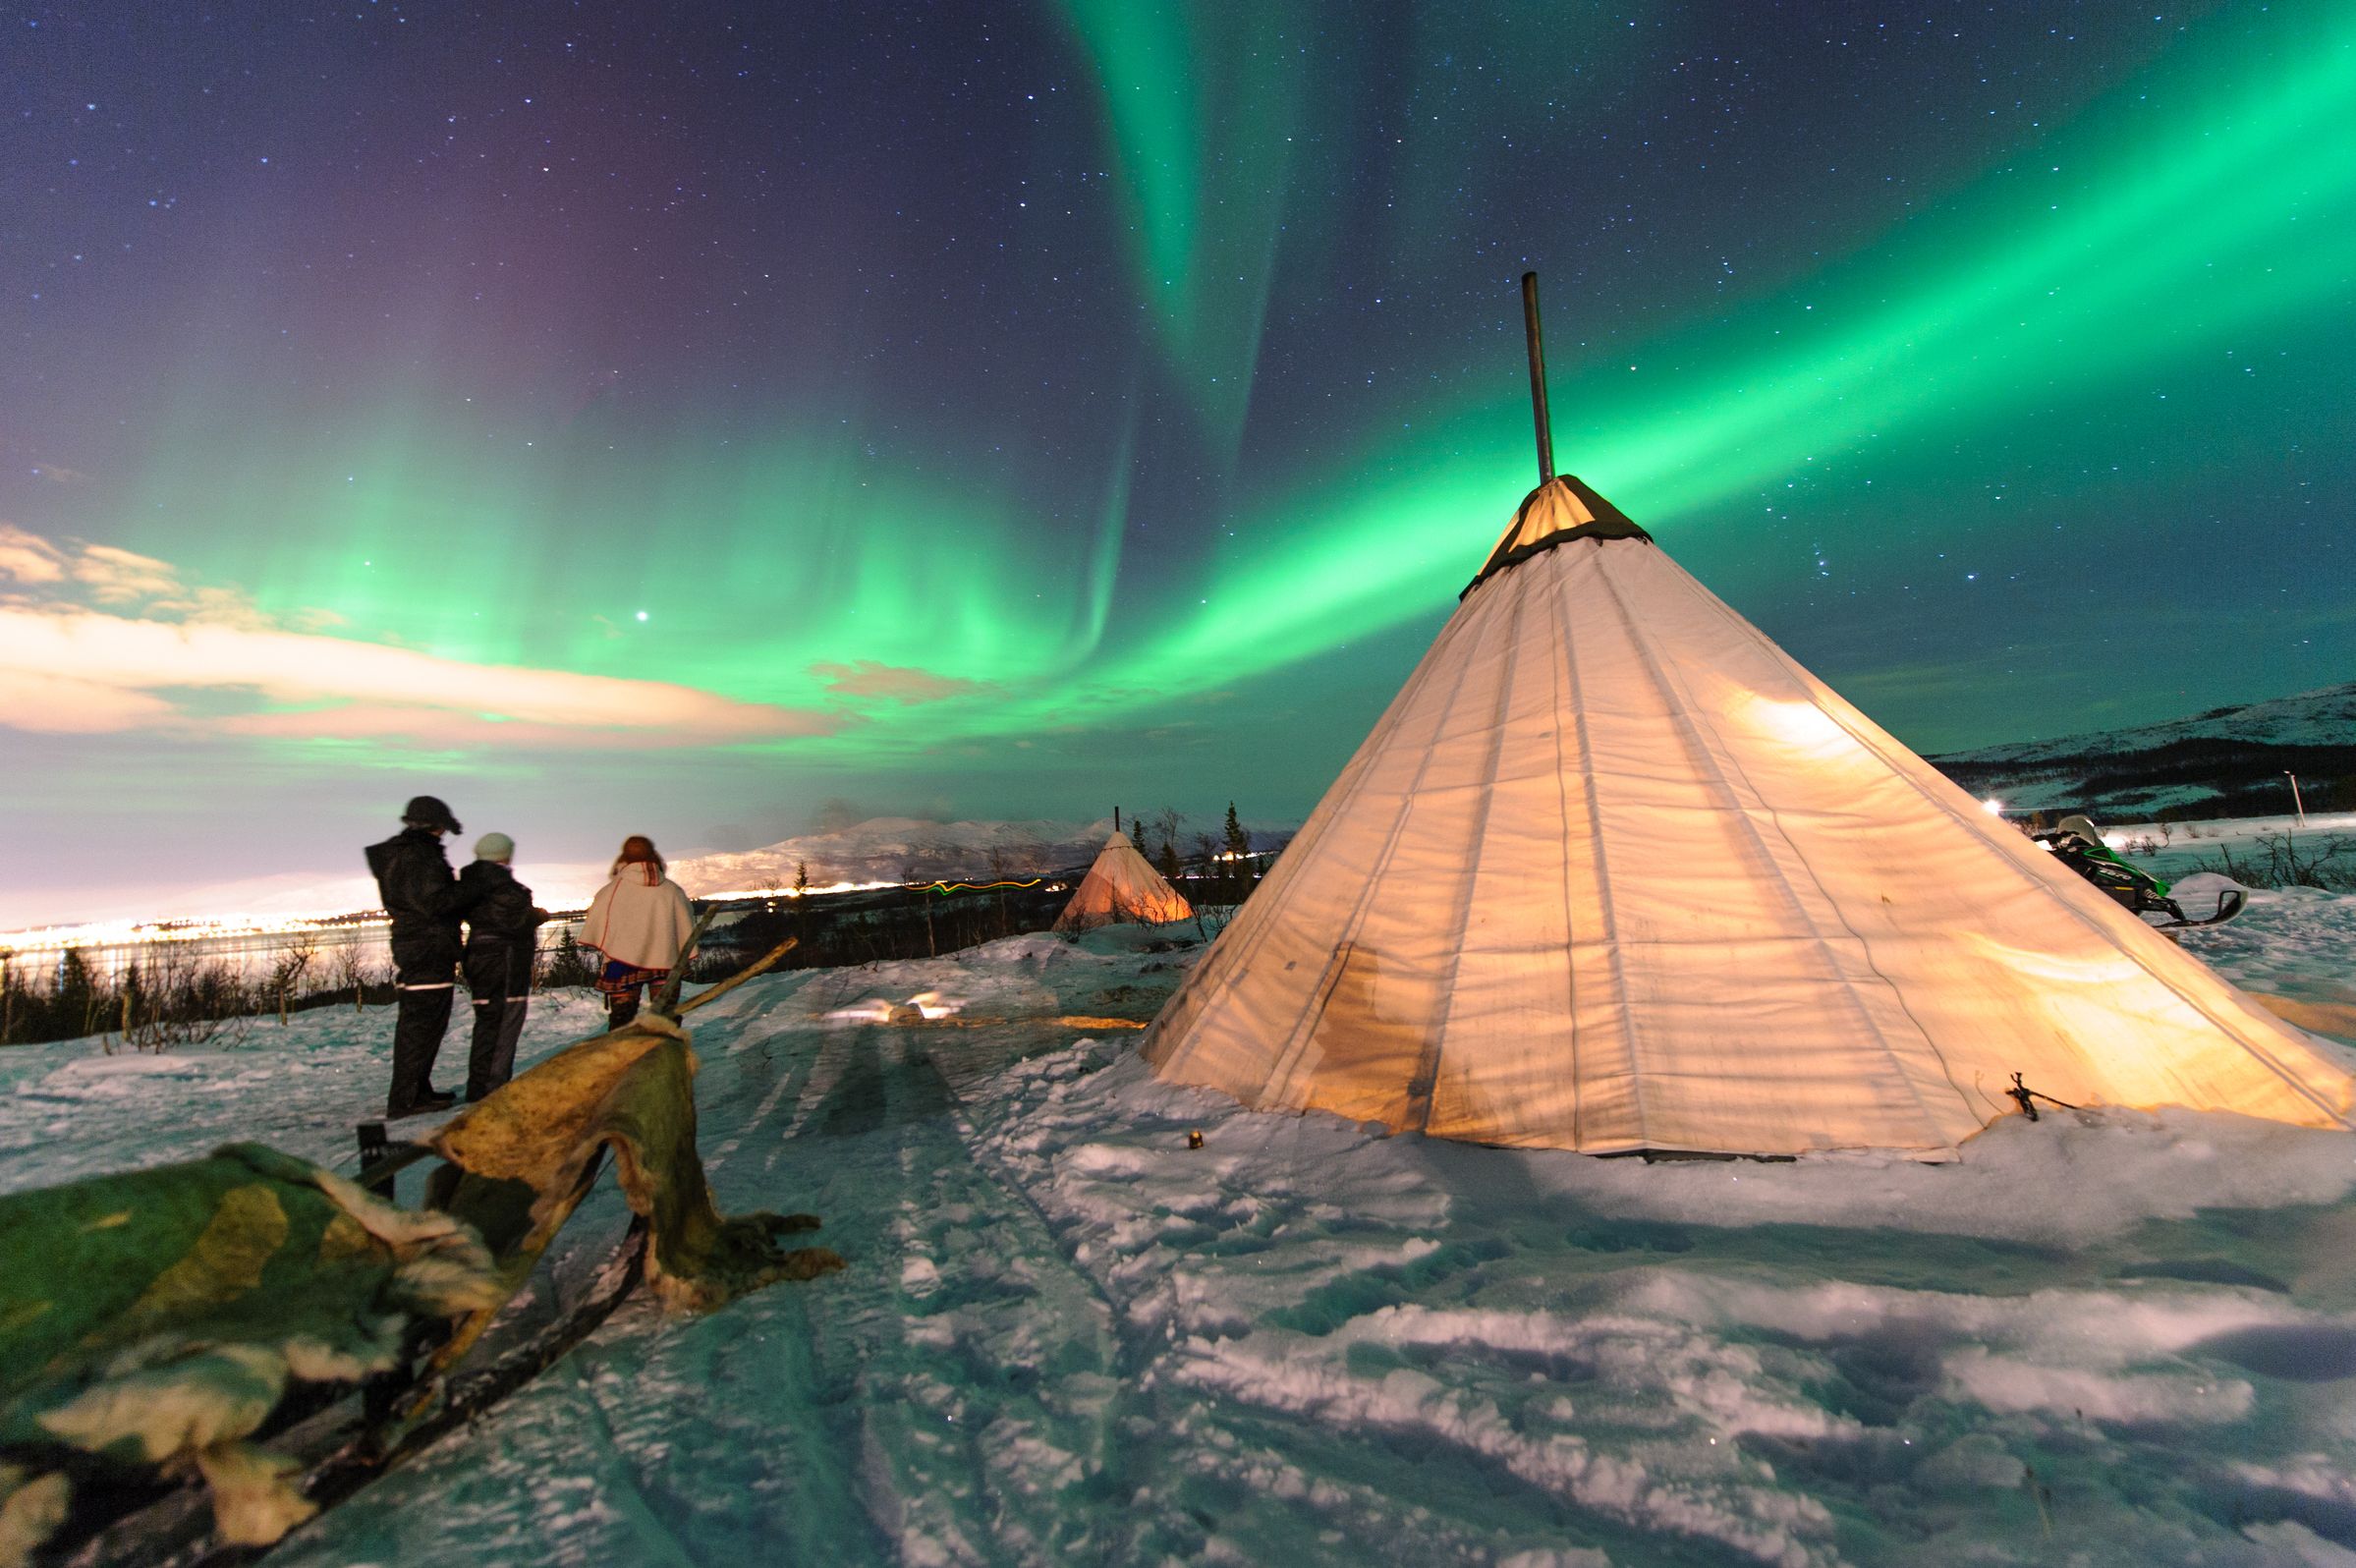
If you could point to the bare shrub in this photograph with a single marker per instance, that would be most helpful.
(2280, 860)
(352, 969)
(172, 999)
(287, 968)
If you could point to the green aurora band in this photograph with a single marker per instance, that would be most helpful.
(2206, 199)
(1201, 121)
(2191, 227)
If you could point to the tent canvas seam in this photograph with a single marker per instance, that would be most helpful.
(1594, 830)
(1426, 1070)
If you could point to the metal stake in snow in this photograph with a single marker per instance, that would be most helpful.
(1538, 378)
(2296, 803)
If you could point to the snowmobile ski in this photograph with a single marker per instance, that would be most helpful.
(2229, 903)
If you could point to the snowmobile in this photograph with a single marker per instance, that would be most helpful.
(2078, 844)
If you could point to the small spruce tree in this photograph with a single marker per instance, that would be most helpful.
(1239, 842)
(77, 999)
(568, 966)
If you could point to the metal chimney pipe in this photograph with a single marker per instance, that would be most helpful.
(1538, 378)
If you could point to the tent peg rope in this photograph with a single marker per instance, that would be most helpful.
(2027, 1098)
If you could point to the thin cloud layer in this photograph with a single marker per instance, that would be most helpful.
(144, 652)
(27, 558)
(894, 683)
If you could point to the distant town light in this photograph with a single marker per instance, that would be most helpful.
(1992, 806)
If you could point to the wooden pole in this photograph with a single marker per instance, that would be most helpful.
(738, 978)
(1538, 378)
(665, 999)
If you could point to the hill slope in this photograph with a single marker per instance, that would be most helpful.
(898, 849)
(2229, 762)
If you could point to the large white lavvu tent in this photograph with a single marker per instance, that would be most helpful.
(1614, 873)
(1122, 885)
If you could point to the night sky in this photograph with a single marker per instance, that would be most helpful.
(700, 421)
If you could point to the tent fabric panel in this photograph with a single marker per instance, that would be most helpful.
(2062, 925)
(1956, 878)
(1781, 1075)
(1403, 828)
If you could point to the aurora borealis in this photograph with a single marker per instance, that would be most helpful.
(673, 419)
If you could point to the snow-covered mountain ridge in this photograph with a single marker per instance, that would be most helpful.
(2227, 762)
(898, 849)
(2324, 717)
(911, 849)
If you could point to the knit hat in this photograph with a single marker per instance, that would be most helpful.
(496, 846)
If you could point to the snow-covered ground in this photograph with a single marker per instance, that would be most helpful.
(1065, 1337)
(71, 1109)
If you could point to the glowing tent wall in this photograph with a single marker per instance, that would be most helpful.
(1122, 885)
(1614, 873)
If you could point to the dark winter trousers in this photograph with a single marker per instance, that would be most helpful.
(418, 1031)
(498, 1024)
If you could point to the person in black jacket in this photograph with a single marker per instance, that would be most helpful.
(413, 879)
(502, 939)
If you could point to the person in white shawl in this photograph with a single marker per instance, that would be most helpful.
(639, 919)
